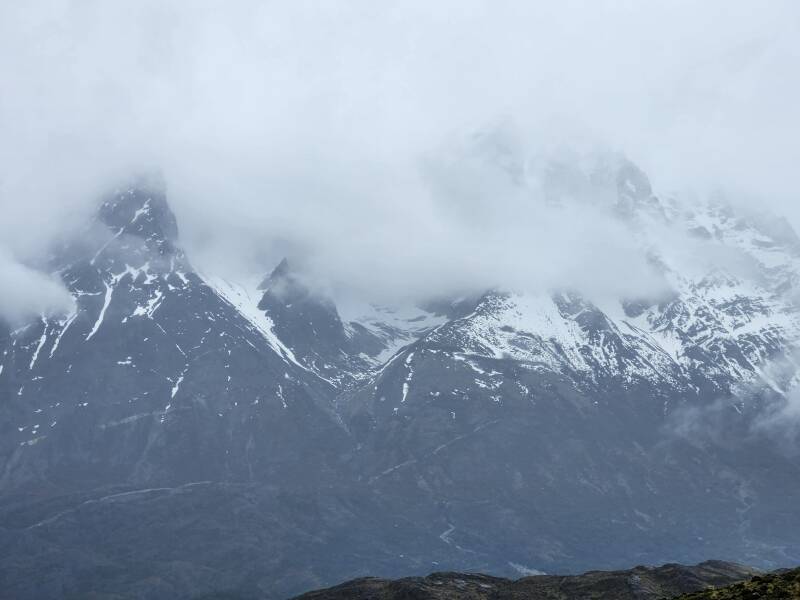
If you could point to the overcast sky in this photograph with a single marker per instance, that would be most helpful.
(338, 131)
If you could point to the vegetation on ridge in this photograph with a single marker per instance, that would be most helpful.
(783, 585)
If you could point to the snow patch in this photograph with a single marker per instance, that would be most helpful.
(106, 302)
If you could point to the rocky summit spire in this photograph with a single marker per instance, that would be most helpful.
(144, 213)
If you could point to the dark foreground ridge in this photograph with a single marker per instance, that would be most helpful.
(639, 583)
(783, 585)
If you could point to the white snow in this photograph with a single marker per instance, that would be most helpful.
(280, 395)
(104, 246)
(396, 326)
(64, 326)
(42, 340)
(106, 302)
(409, 376)
(152, 305)
(144, 210)
(176, 387)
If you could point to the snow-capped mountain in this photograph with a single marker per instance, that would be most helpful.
(728, 322)
(513, 430)
(153, 376)
(728, 310)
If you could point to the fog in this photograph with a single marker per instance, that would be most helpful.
(343, 134)
(756, 414)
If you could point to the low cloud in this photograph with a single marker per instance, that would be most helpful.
(765, 411)
(341, 135)
(28, 292)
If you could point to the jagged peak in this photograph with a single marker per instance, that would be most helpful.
(290, 286)
(284, 284)
(280, 272)
(141, 210)
(133, 227)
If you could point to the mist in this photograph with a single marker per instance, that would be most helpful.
(27, 291)
(343, 135)
(764, 411)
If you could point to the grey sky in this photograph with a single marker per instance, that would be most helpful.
(311, 127)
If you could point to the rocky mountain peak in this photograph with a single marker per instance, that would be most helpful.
(287, 286)
(281, 272)
(143, 213)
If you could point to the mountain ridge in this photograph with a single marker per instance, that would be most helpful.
(505, 431)
(638, 583)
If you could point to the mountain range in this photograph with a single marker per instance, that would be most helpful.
(178, 434)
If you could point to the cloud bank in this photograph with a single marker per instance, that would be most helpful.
(340, 133)
(29, 292)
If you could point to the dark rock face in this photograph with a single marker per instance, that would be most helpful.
(309, 323)
(640, 583)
